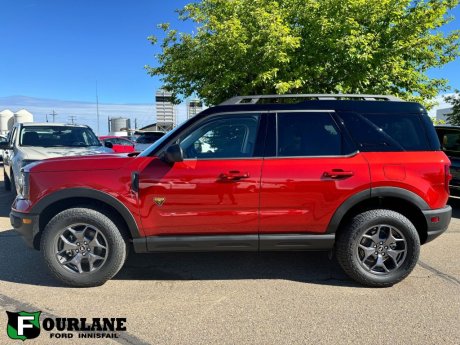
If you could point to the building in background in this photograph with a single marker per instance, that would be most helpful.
(119, 126)
(165, 109)
(441, 114)
(8, 119)
(194, 106)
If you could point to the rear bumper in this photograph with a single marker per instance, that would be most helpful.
(440, 224)
(26, 224)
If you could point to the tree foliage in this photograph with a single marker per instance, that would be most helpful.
(454, 117)
(307, 46)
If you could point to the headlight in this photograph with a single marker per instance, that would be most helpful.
(23, 185)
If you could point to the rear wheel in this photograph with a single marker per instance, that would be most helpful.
(6, 181)
(378, 248)
(83, 247)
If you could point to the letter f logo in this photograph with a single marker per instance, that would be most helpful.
(23, 325)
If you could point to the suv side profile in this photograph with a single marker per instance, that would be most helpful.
(361, 175)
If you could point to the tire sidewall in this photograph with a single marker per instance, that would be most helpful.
(412, 243)
(117, 247)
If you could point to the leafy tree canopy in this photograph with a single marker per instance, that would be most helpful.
(307, 46)
(454, 117)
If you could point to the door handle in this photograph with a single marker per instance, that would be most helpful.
(233, 175)
(337, 174)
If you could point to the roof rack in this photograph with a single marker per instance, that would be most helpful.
(256, 98)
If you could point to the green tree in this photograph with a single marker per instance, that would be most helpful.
(454, 116)
(307, 46)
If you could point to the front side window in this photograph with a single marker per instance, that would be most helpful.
(57, 136)
(450, 140)
(224, 136)
(309, 134)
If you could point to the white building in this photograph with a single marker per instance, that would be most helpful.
(194, 106)
(441, 114)
(166, 112)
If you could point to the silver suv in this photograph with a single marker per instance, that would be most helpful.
(31, 142)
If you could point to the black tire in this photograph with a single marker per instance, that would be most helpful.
(351, 241)
(6, 181)
(115, 242)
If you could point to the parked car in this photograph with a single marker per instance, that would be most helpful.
(119, 144)
(449, 137)
(364, 178)
(3, 140)
(146, 139)
(31, 142)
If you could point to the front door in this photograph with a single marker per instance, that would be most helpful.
(215, 190)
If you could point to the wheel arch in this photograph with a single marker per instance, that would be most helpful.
(399, 200)
(54, 203)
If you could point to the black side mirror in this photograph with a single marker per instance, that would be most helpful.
(108, 144)
(5, 146)
(174, 154)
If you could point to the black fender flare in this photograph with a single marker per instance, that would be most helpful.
(370, 193)
(90, 193)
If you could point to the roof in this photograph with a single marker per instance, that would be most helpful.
(333, 105)
(50, 124)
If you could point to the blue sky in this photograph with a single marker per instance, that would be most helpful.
(57, 49)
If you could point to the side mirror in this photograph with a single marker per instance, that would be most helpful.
(108, 144)
(5, 146)
(174, 154)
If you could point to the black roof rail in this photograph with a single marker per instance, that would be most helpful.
(254, 99)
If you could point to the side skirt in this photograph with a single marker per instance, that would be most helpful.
(268, 242)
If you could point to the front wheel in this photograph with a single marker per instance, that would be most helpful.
(378, 248)
(83, 247)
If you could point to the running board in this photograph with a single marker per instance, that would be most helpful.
(247, 243)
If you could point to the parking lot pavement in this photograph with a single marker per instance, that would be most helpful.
(232, 298)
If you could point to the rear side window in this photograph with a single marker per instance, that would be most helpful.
(309, 134)
(387, 132)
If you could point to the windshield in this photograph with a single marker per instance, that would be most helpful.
(58, 136)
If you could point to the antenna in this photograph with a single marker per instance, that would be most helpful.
(97, 110)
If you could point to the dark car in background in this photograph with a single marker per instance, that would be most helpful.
(449, 137)
(146, 139)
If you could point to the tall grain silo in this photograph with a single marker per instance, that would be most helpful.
(6, 121)
(119, 126)
(22, 116)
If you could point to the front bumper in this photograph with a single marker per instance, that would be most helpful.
(26, 224)
(437, 221)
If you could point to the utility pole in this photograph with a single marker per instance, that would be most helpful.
(135, 123)
(72, 119)
(53, 114)
(97, 110)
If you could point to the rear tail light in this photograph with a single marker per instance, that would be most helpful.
(447, 176)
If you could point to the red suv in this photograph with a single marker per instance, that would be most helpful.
(360, 175)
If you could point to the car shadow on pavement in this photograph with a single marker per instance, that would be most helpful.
(307, 267)
(23, 265)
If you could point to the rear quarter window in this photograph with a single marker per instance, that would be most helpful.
(387, 132)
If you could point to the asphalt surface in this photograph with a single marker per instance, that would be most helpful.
(242, 298)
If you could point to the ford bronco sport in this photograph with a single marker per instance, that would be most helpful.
(360, 175)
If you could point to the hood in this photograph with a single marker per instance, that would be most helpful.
(39, 153)
(87, 163)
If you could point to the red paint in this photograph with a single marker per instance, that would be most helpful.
(127, 147)
(240, 196)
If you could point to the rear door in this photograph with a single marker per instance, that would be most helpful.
(309, 170)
